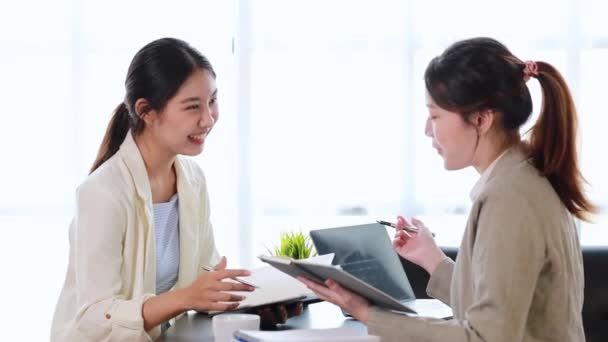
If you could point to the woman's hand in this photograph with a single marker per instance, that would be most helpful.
(273, 314)
(420, 247)
(210, 291)
(352, 303)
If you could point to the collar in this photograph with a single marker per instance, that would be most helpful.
(508, 157)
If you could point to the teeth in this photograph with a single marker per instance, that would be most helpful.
(196, 136)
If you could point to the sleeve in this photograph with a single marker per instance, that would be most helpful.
(104, 314)
(440, 281)
(209, 253)
(507, 258)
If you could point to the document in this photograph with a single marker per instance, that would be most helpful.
(275, 286)
(321, 272)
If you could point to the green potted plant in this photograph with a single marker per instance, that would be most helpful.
(295, 245)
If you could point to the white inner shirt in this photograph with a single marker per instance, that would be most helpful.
(166, 230)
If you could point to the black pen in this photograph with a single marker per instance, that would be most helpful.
(209, 268)
(406, 228)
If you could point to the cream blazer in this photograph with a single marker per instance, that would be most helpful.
(518, 275)
(112, 261)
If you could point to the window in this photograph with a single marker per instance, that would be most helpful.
(322, 110)
(337, 104)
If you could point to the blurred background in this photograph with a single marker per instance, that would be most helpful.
(321, 115)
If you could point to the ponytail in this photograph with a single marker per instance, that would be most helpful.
(552, 146)
(115, 134)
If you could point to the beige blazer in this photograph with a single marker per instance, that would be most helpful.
(519, 272)
(112, 262)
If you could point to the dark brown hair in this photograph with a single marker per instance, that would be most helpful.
(481, 74)
(156, 73)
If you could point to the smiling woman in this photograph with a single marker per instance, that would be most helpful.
(144, 212)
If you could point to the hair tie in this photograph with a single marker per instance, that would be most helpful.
(530, 70)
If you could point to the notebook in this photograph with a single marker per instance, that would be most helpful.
(366, 252)
(275, 287)
(305, 335)
(319, 273)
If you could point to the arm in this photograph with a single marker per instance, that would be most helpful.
(421, 249)
(161, 308)
(441, 280)
(270, 315)
(104, 313)
(507, 257)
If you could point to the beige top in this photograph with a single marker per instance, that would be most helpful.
(112, 261)
(519, 272)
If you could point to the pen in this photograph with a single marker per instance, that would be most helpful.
(407, 228)
(209, 268)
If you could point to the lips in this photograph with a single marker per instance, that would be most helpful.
(198, 138)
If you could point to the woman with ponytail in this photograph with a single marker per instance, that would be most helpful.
(141, 234)
(519, 272)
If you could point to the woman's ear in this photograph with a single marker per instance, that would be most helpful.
(143, 111)
(483, 120)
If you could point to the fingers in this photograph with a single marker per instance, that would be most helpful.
(223, 274)
(222, 264)
(402, 222)
(417, 223)
(218, 306)
(224, 297)
(339, 290)
(323, 292)
(401, 238)
(231, 286)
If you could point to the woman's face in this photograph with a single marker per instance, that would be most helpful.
(183, 125)
(454, 139)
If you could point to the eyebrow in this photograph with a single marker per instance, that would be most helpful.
(197, 98)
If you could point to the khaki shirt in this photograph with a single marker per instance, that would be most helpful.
(112, 261)
(519, 272)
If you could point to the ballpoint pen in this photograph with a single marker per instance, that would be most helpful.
(209, 268)
(406, 228)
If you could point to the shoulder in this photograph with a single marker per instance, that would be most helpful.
(521, 183)
(520, 198)
(109, 182)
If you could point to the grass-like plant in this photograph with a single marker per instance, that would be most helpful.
(295, 245)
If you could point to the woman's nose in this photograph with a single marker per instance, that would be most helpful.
(428, 128)
(207, 118)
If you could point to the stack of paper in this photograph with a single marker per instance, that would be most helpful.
(305, 335)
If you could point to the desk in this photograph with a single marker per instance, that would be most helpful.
(197, 327)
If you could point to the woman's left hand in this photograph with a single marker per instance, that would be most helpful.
(271, 315)
(352, 303)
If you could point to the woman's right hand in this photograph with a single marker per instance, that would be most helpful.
(210, 291)
(419, 248)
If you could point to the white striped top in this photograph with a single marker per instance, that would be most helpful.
(167, 244)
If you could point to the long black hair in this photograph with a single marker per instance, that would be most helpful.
(481, 74)
(155, 74)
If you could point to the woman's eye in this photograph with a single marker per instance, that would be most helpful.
(213, 100)
(192, 107)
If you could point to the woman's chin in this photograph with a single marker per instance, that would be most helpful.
(192, 150)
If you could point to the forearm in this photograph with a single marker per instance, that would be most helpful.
(433, 260)
(439, 286)
(163, 307)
